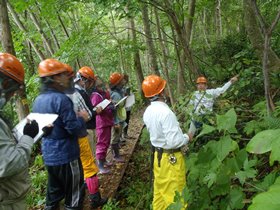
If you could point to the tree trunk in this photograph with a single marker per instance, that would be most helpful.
(267, 31)
(6, 35)
(189, 22)
(55, 40)
(22, 27)
(67, 35)
(137, 61)
(181, 33)
(204, 28)
(43, 35)
(181, 64)
(218, 19)
(119, 45)
(8, 46)
(149, 40)
(164, 57)
(256, 37)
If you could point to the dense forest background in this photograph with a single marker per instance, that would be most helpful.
(238, 168)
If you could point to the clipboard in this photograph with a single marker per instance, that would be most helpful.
(130, 101)
(120, 101)
(42, 120)
(103, 104)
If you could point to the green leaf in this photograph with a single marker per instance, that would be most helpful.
(268, 200)
(227, 121)
(243, 175)
(206, 129)
(223, 147)
(236, 198)
(262, 141)
(275, 153)
(210, 179)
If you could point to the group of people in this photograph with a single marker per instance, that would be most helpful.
(68, 146)
(167, 137)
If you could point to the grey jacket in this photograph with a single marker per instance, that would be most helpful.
(14, 158)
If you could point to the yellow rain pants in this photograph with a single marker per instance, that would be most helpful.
(89, 166)
(168, 178)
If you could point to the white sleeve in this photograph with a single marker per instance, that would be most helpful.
(218, 91)
(173, 133)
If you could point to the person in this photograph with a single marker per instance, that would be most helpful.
(84, 82)
(104, 124)
(167, 139)
(128, 109)
(80, 100)
(203, 99)
(14, 153)
(60, 146)
(116, 85)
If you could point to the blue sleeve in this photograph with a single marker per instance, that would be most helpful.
(73, 124)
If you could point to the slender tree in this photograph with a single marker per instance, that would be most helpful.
(22, 28)
(267, 32)
(149, 40)
(8, 46)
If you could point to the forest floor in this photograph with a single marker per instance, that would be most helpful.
(109, 183)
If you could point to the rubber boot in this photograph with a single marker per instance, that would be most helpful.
(96, 200)
(117, 157)
(101, 167)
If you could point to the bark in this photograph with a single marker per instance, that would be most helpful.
(67, 35)
(43, 35)
(181, 64)
(7, 43)
(267, 31)
(164, 58)
(55, 40)
(6, 35)
(256, 36)
(204, 29)
(119, 44)
(149, 40)
(181, 34)
(189, 22)
(22, 27)
(137, 61)
(218, 19)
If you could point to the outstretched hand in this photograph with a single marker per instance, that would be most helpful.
(234, 79)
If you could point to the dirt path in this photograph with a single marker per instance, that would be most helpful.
(109, 183)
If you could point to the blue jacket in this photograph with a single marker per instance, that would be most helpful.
(61, 145)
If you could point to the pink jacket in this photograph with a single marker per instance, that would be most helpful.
(106, 117)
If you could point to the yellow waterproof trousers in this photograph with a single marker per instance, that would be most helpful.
(87, 159)
(168, 178)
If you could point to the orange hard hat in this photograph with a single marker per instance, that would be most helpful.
(50, 67)
(201, 80)
(11, 67)
(115, 78)
(87, 72)
(153, 85)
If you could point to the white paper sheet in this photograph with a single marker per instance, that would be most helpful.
(120, 101)
(130, 101)
(42, 120)
(103, 104)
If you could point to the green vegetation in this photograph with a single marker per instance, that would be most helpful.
(234, 161)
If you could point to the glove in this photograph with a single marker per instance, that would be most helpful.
(47, 130)
(31, 129)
